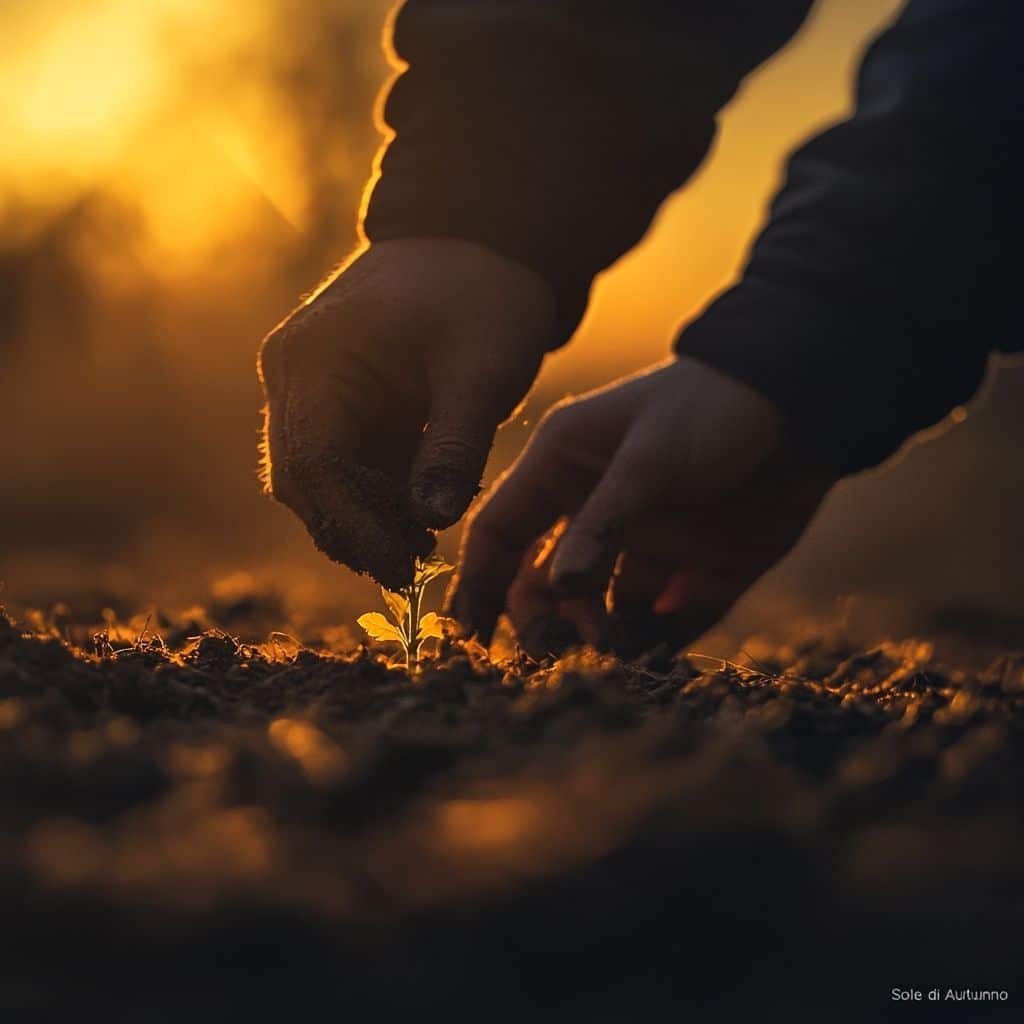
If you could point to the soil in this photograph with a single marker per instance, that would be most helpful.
(198, 829)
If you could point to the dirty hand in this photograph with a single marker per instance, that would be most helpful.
(384, 394)
(638, 514)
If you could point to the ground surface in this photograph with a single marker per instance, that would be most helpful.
(198, 830)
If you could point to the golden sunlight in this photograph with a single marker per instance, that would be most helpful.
(172, 105)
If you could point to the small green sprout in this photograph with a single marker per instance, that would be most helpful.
(408, 626)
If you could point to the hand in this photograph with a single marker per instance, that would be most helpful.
(384, 394)
(638, 513)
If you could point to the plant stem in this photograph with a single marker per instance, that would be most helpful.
(414, 611)
(413, 595)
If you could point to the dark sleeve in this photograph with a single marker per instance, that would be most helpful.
(551, 130)
(882, 281)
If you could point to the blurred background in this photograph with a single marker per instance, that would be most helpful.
(177, 173)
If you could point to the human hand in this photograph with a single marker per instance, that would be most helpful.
(674, 490)
(384, 394)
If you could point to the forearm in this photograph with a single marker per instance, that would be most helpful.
(870, 301)
(552, 131)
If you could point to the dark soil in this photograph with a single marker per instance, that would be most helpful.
(212, 832)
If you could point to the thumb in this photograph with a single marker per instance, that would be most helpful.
(473, 390)
(587, 552)
(452, 455)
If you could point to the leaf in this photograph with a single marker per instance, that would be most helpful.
(397, 604)
(433, 626)
(379, 628)
(430, 568)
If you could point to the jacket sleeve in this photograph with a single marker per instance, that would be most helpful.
(551, 130)
(874, 295)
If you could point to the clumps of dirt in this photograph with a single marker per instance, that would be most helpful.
(209, 828)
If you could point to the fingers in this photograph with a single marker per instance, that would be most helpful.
(525, 503)
(473, 389)
(693, 604)
(647, 479)
(415, 332)
(493, 546)
(572, 456)
(587, 553)
(451, 459)
(638, 584)
(339, 472)
(545, 622)
(357, 514)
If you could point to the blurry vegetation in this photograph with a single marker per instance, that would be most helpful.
(176, 176)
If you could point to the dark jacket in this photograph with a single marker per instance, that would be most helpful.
(551, 130)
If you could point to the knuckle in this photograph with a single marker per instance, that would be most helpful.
(558, 422)
(293, 348)
(312, 328)
(270, 361)
(455, 454)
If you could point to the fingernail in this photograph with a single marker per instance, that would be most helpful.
(444, 506)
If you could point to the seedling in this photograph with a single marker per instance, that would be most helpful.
(408, 626)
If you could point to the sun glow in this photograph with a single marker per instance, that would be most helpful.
(76, 82)
(173, 106)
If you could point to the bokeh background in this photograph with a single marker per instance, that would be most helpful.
(175, 174)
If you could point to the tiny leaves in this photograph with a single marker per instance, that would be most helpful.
(378, 627)
(432, 627)
(397, 604)
(430, 569)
